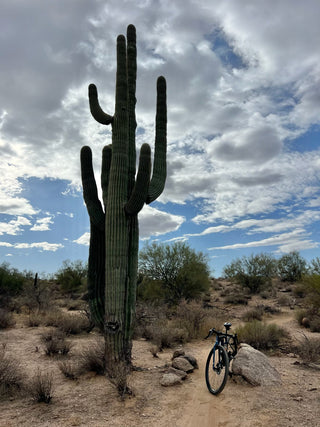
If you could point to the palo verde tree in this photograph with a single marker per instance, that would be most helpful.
(114, 236)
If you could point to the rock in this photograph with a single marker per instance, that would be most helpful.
(178, 353)
(191, 359)
(177, 372)
(182, 364)
(170, 379)
(305, 322)
(255, 367)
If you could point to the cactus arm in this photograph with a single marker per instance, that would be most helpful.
(95, 108)
(159, 167)
(90, 192)
(105, 171)
(140, 190)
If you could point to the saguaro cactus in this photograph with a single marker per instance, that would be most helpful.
(114, 237)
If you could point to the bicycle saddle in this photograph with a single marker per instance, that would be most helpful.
(227, 325)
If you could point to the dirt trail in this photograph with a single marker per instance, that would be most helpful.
(93, 401)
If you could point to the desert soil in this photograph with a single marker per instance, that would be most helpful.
(93, 401)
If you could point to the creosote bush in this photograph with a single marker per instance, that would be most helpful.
(6, 319)
(260, 335)
(11, 377)
(309, 349)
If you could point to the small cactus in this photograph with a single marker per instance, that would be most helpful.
(114, 237)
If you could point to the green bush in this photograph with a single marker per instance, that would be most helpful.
(11, 282)
(176, 271)
(253, 272)
(72, 276)
(260, 335)
(291, 267)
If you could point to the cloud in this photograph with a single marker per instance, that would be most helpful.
(152, 222)
(256, 145)
(45, 246)
(42, 224)
(83, 240)
(14, 227)
(286, 242)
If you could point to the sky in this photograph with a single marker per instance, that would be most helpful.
(243, 96)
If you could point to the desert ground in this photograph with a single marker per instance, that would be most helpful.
(91, 400)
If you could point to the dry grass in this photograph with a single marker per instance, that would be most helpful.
(309, 349)
(55, 343)
(6, 319)
(40, 388)
(11, 377)
(92, 358)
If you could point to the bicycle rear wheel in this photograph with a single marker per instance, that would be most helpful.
(217, 369)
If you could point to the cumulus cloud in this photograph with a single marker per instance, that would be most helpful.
(44, 246)
(243, 84)
(155, 222)
(42, 224)
(15, 226)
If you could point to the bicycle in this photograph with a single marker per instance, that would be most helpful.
(217, 367)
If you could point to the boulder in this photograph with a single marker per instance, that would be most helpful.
(255, 367)
(182, 364)
(177, 372)
(170, 379)
(191, 359)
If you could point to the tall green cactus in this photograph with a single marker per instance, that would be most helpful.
(114, 237)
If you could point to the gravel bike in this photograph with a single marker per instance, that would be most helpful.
(217, 367)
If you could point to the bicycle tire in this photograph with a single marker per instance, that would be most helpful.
(219, 373)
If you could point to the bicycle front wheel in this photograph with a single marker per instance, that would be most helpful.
(217, 369)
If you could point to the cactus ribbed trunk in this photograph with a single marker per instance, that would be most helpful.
(114, 239)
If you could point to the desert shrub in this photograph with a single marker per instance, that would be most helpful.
(182, 272)
(253, 272)
(300, 315)
(36, 294)
(254, 313)
(6, 319)
(191, 317)
(40, 387)
(312, 289)
(92, 358)
(72, 276)
(291, 267)
(149, 290)
(55, 343)
(73, 324)
(236, 299)
(309, 349)
(11, 377)
(11, 283)
(260, 335)
(168, 336)
(34, 320)
(315, 324)
(314, 266)
(69, 369)
(284, 300)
